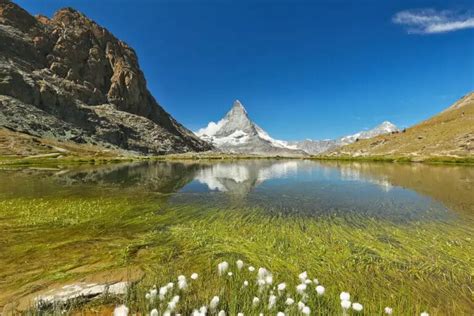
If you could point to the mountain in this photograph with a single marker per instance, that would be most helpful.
(448, 134)
(69, 79)
(319, 146)
(384, 128)
(236, 133)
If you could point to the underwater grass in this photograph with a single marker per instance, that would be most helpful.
(411, 267)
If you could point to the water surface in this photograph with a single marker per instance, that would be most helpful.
(60, 224)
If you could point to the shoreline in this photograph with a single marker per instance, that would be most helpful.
(47, 160)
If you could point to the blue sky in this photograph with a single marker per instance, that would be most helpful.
(303, 69)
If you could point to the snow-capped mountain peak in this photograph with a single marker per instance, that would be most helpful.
(237, 133)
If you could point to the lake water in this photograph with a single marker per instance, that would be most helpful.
(44, 207)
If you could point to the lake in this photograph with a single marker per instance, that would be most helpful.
(397, 234)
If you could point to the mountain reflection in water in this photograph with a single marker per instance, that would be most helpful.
(386, 190)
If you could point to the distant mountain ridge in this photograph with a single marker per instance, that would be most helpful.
(320, 146)
(236, 132)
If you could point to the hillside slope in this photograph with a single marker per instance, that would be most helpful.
(448, 134)
(67, 78)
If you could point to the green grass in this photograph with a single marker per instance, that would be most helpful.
(410, 267)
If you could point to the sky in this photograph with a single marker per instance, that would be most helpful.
(303, 69)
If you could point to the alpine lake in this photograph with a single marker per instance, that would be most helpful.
(390, 234)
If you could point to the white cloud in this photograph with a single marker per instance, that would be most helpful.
(429, 21)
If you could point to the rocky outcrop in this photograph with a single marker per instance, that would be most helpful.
(69, 78)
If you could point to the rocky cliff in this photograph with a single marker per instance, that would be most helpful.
(70, 79)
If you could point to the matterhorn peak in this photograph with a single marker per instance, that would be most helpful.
(237, 133)
(237, 109)
(238, 104)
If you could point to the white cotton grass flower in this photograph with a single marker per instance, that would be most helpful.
(303, 276)
(308, 281)
(163, 291)
(221, 313)
(240, 314)
(240, 264)
(222, 267)
(194, 276)
(281, 287)
(320, 290)
(214, 302)
(171, 305)
(346, 304)
(230, 274)
(261, 282)
(246, 283)
(251, 269)
(153, 293)
(388, 310)
(289, 301)
(269, 279)
(300, 288)
(255, 301)
(357, 307)
(262, 273)
(272, 299)
(121, 310)
(147, 296)
(167, 313)
(182, 283)
(170, 285)
(306, 310)
(280, 314)
(424, 314)
(344, 296)
(154, 312)
(316, 281)
(203, 310)
(301, 305)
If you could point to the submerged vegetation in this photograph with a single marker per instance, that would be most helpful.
(411, 268)
(59, 231)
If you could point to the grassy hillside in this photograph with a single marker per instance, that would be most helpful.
(448, 134)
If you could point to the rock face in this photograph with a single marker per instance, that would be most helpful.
(69, 78)
(320, 146)
(236, 133)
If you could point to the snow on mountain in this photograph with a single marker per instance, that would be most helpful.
(385, 128)
(236, 133)
(321, 146)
